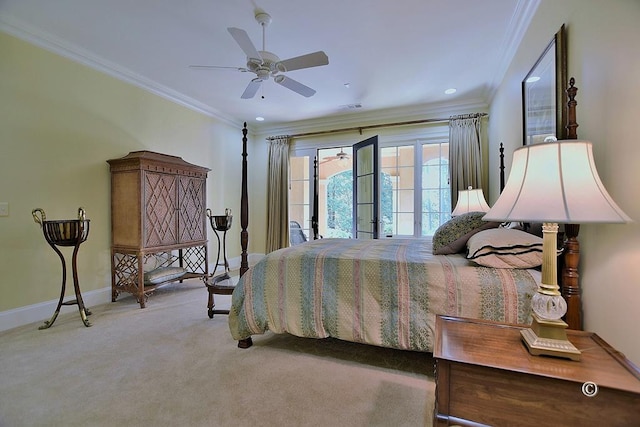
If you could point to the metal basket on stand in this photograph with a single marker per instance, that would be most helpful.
(70, 233)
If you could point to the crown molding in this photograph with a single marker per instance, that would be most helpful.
(75, 53)
(518, 25)
(520, 21)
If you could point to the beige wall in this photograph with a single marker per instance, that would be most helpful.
(604, 57)
(59, 123)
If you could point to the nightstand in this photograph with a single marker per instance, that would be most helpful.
(485, 376)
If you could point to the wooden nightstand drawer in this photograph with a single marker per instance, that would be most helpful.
(485, 375)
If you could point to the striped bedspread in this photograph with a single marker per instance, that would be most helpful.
(380, 292)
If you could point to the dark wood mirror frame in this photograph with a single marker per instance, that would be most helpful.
(555, 56)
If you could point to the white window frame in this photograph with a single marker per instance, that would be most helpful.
(388, 137)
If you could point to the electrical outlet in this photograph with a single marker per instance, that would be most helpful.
(4, 209)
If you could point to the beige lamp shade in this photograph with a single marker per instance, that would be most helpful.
(555, 182)
(550, 183)
(470, 201)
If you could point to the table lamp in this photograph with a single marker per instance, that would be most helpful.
(470, 201)
(551, 183)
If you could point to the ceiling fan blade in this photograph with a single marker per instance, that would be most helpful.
(245, 43)
(309, 60)
(295, 86)
(210, 67)
(251, 90)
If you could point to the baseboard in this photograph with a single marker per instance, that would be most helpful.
(44, 310)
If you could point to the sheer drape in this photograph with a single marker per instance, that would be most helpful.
(278, 194)
(465, 153)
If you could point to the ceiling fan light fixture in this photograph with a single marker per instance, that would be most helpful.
(263, 17)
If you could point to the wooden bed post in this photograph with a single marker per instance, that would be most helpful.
(570, 276)
(244, 206)
(314, 218)
(572, 125)
(244, 222)
(501, 167)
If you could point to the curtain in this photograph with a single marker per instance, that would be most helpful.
(465, 153)
(278, 194)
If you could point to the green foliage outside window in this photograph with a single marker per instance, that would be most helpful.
(340, 204)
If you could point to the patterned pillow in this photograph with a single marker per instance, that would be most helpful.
(451, 237)
(505, 248)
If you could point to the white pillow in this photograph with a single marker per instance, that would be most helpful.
(505, 248)
(163, 274)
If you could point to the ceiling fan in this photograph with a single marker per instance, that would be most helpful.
(341, 155)
(265, 64)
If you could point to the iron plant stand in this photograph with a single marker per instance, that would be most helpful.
(220, 284)
(66, 233)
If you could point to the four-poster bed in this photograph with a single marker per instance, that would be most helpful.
(388, 292)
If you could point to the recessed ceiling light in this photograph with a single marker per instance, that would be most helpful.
(450, 91)
(347, 85)
(532, 79)
(260, 119)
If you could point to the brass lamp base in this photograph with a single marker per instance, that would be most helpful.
(548, 338)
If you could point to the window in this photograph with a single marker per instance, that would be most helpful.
(415, 196)
(300, 192)
(335, 191)
(398, 168)
(339, 202)
(420, 165)
(436, 191)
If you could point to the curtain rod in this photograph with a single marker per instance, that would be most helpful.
(381, 125)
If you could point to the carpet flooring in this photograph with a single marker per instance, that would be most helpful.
(170, 365)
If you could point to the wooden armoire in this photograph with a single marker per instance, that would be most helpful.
(158, 222)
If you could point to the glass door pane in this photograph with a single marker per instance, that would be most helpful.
(436, 191)
(397, 190)
(335, 192)
(366, 189)
(300, 193)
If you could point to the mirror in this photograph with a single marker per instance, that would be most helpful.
(544, 96)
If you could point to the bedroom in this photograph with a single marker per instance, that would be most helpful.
(91, 117)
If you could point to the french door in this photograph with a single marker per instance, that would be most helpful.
(366, 184)
(329, 199)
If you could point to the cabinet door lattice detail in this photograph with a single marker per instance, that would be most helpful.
(160, 208)
(191, 226)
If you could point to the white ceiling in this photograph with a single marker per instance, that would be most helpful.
(400, 53)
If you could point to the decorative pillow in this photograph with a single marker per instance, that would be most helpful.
(451, 236)
(534, 228)
(163, 274)
(505, 248)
